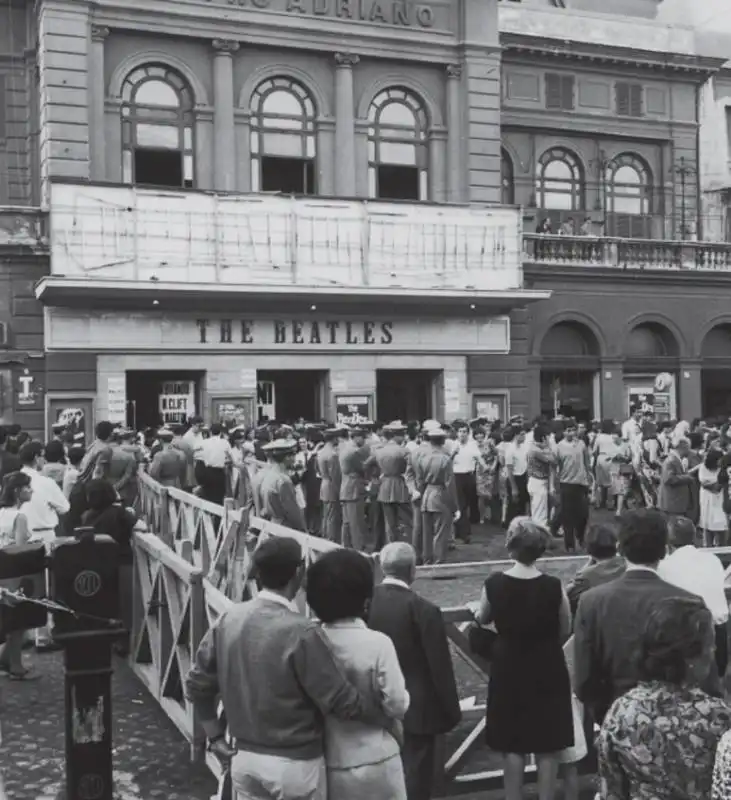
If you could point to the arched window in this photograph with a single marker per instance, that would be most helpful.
(629, 196)
(397, 146)
(157, 128)
(508, 179)
(559, 181)
(283, 155)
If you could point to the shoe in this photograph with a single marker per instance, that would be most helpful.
(48, 647)
(23, 675)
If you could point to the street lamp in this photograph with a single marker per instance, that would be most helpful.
(683, 170)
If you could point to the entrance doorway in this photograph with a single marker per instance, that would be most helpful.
(162, 398)
(289, 395)
(406, 394)
(570, 393)
(716, 393)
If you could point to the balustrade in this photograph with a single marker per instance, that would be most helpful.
(644, 254)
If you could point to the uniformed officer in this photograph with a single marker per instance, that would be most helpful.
(278, 497)
(393, 494)
(328, 466)
(355, 460)
(439, 507)
(410, 476)
(123, 468)
(168, 464)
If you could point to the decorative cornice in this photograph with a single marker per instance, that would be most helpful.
(99, 33)
(225, 46)
(454, 71)
(346, 60)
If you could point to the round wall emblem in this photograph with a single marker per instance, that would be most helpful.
(91, 786)
(87, 583)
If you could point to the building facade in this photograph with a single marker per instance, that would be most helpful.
(23, 246)
(278, 209)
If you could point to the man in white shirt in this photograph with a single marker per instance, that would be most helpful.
(516, 470)
(465, 459)
(216, 457)
(701, 573)
(47, 501)
(631, 428)
(195, 440)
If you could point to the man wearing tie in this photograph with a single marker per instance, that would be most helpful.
(354, 462)
(393, 494)
(328, 466)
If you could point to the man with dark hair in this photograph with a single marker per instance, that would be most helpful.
(278, 689)
(8, 462)
(574, 477)
(701, 573)
(610, 618)
(605, 565)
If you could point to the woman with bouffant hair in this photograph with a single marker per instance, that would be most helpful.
(529, 701)
(659, 739)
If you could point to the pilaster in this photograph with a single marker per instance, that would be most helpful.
(345, 179)
(612, 389)
(454, 133)
(224, 126)
(97, 93)
(690, 395)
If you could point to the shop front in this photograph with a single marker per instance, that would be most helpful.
(153, 368)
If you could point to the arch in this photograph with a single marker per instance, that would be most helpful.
(322, 104)
(577, 318)
(433, 112)
(628, 180)
(507, 178)
(560, 180)
(651, 340)
(714, 322)
(569, 339)
(659, 322)
(137, 60)
(717, 341)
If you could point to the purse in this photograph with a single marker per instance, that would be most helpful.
(481, 640)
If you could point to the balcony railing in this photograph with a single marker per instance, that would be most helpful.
(134, 234)
(645, 254)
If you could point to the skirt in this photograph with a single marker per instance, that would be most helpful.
(382, 781)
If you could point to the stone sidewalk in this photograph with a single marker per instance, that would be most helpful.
(151, 758)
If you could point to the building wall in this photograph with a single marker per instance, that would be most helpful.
(715, 154)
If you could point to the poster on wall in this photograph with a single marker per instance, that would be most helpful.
(177, 402)
(75, 415)
(117, 399)
(660, 403)
(265, 401)
(352, 409)
(491, 407)
(232, 412)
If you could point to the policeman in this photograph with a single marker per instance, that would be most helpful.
(276, 490)
(328, 467)
(434, 481)
(168, 464)
(393, 494)
(414, 455)
(355, 461)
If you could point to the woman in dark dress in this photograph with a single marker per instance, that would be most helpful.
(529, 694)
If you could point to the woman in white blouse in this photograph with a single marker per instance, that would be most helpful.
(363, 762)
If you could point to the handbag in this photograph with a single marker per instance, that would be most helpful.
(481, 640)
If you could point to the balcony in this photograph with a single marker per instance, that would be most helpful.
(627, 254)
(124, 238)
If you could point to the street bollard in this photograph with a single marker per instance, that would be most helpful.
(84, 578)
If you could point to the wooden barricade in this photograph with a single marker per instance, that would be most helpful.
(198, 561)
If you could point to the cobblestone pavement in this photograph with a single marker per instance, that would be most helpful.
(151, 758)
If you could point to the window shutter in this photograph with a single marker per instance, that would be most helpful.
(3, 109)
(629, 99)
(622, 90)
(553, 90)
(567, 92)
(635, 100)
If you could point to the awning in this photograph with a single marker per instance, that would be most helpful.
(119, 295)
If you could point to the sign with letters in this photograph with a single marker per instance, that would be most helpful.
(352, 409)
(177, 401)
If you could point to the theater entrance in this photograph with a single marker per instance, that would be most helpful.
(291, 395)
(406, 394)
(162, 398)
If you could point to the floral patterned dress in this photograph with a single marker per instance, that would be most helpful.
(658, 742)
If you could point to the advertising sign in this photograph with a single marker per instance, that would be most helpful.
(352, 409)
(177, 402)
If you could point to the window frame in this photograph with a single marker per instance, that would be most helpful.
(576, 184)
(416, 137)
(260, 127)
(133, 114)
(563, 91)
(507, 178)
(634, 103)
(625, 224)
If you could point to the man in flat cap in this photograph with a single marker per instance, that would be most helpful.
(328, 465)
(393, 494)
(355, 460)
(278, 498)
(276, 690)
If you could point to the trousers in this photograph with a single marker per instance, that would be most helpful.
(355, 531)
(418, 755)
(332, 522)
(574, 513)
(538, 491)
(397, 519)
(436, 528)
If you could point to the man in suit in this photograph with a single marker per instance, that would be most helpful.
(676, 495)
(393, 494)
(328, 465)
(417, 630)
(611, 618)
(605, 565)
(354, 458)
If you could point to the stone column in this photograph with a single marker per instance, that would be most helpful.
(97, 98)
(613, 404)
(224, 127)
(344, 125)
(689, 382)
(454, 133)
